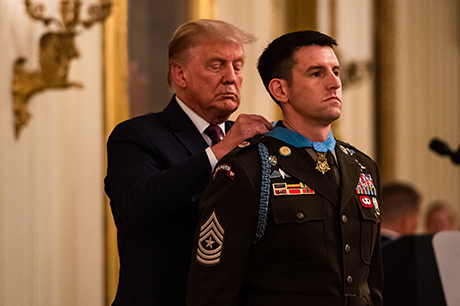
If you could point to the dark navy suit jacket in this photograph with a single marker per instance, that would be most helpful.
(157, 170)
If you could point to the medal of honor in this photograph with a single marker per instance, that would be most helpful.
(321, 163)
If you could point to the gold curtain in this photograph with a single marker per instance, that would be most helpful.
(116, 109)
(385, 92)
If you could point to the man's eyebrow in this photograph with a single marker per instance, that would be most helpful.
(221, 59)
(316, 67)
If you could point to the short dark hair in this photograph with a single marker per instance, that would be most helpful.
(397, 199)
(277, 60)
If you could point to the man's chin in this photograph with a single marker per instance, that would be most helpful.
(333, 117)
(228, 105)
(336, 114)
(223, 113)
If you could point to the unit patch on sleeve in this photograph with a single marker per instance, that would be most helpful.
(291, 189)
(225, 168)
(210, 242)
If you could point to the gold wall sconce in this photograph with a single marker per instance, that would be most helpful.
(57, 49)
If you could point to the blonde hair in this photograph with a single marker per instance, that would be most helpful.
(190, 34)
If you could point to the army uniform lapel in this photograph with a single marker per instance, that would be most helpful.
(299, 164)
(349, 172)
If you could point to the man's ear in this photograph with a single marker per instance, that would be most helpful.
(278, 89)
(178, 76)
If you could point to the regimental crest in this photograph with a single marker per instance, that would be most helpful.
(210, 242)
(273, 160)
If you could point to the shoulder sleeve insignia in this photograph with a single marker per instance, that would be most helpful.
(226, 168)
(210, 242)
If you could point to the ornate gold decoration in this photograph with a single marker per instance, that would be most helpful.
(321, 162)
(355, 72)
(57, 49)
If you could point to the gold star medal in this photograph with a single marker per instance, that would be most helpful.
(321, 162)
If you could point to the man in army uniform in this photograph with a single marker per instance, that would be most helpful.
(292, 217)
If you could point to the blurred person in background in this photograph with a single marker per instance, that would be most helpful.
(400, 209)
(440, 217)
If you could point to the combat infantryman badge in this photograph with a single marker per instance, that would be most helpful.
(210, 242)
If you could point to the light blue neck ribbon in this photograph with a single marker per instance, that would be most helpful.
(299, 141)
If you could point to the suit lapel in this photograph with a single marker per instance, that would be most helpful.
(228, 125)
(184, 129)
(349, 172)
(300, 165)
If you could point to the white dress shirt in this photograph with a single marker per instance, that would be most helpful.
(201, 125)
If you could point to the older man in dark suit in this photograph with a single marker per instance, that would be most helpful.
(159, 164)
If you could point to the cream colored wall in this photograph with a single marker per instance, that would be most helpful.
(428, 95)
(255, 17)
(354, 34)
(51, 196)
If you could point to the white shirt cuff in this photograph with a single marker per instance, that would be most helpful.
(212, 158)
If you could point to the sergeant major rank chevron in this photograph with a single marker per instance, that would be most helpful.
(210, 242)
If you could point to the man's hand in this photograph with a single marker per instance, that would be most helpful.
(245, 126)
